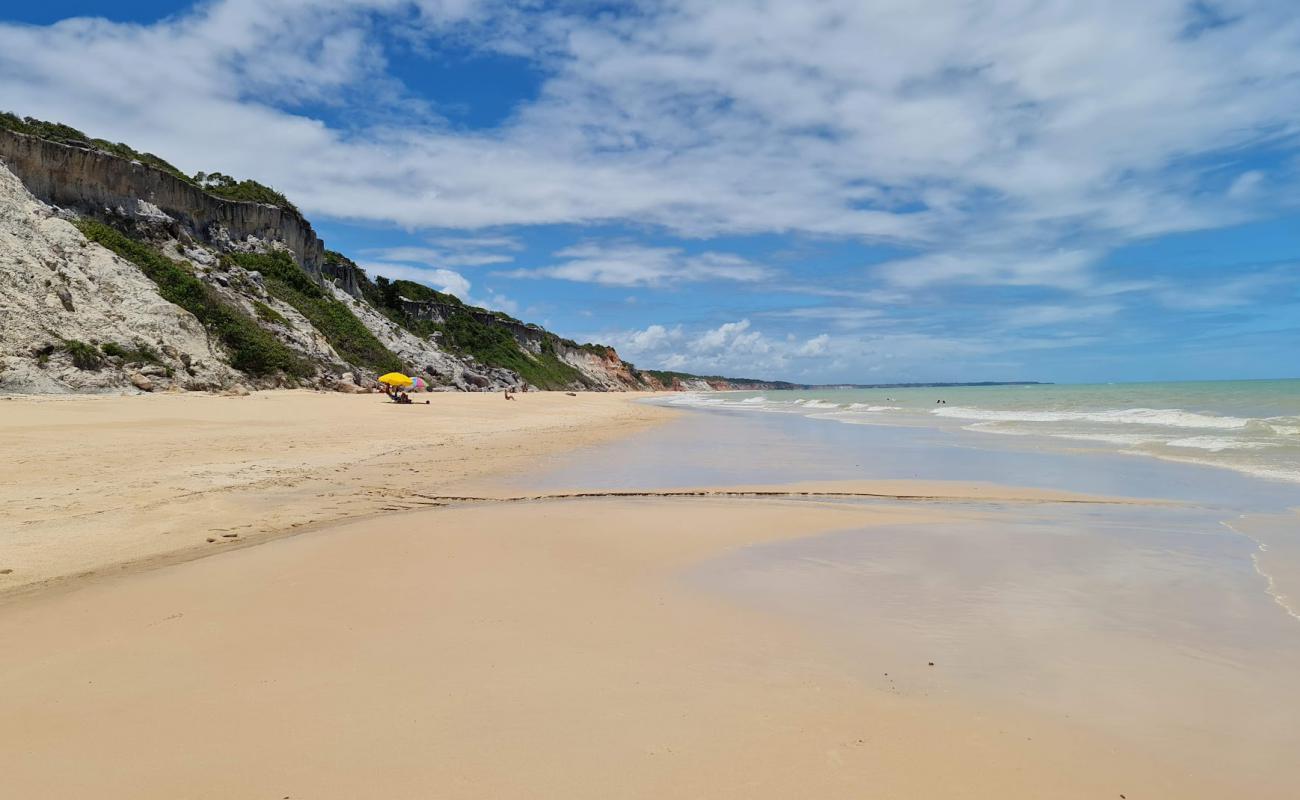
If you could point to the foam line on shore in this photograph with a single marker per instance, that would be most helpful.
(777, 494)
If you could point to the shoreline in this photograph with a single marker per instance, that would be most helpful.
(94, 485)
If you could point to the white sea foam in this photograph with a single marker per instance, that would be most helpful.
(1168, 417)
(1126, 439)
(1217, 443)
(1262, 446)
(820, 404)
(1271, 472)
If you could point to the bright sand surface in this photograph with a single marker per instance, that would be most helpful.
(517, 650)
(587, 647)
(92, 483)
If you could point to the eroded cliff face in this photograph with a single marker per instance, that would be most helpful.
(61, 294)
(100, 184)
(57, 289)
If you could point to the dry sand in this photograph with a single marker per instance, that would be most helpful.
(96, 483)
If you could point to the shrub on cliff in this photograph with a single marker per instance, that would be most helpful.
(251, 349)
(247, 190)
(138, 352)
(84, 356)
(214, 183)
(464, 331)
(66, 134)
(286, 281)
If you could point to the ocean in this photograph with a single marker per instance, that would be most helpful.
(1252, 427)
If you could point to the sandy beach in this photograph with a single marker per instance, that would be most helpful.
(95, 483)
(437, 628)
(505, 651)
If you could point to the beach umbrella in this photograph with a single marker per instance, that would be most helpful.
(395, 379)
(418, 384)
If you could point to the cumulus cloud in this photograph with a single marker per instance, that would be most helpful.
(815, 346)
(736, 348)
(913, 122)
(740, 349)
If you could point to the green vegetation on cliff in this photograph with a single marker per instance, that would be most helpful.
(66, 134)
(84, 356)
(137, 352)
(469, 330)
(464, 333)
(286, 281)
(251, 349)
(246, 190)
(214, 183)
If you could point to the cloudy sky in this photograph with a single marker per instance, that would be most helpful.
(846, 190)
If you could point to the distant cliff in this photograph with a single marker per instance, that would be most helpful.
(152, 260)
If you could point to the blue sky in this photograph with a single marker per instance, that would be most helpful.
(827, 191)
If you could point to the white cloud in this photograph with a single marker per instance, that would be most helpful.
(928, 123)
(739, 349)
(1037, 316)
(626, 264)
(815, 346)
(436, 257)
(500, 302)
(1245, 184)
(1062, 269)
(652, 338)
(843, 317)
(731, 338)
(444, 280)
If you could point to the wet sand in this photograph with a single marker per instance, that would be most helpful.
(516, 650)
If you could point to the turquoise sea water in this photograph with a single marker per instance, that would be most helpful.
(1252, 427)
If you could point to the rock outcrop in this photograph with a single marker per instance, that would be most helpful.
(60, 295)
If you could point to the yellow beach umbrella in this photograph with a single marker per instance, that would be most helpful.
(395, 379)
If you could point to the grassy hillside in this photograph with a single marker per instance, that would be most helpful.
(286, 281)
(466, 330)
